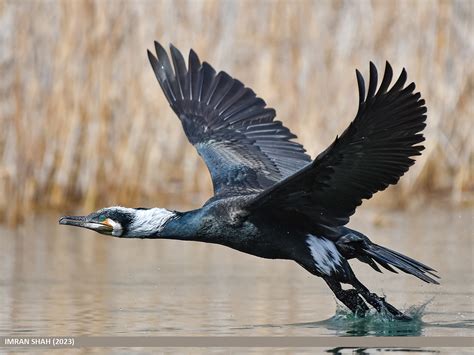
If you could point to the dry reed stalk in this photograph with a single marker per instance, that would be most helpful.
(83, 121)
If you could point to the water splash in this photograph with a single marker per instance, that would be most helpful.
(345, 323)
(383, 323)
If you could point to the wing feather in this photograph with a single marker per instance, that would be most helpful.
(372, 153)
(245, 150)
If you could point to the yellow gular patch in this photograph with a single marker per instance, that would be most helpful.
(109, 222)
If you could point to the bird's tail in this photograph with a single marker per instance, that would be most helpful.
(388, 258)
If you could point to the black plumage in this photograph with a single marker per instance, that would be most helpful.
(270, 199)
(245, 149)
(372, 153)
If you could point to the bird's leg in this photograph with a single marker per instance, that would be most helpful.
(377, 302)
(350, 298)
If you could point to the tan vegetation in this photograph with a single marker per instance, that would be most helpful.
(83, 121)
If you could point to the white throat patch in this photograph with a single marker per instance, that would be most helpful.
(150, 221)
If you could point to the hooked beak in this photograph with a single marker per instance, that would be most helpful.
(85, 222)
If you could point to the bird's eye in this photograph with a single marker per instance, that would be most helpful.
(102, 218)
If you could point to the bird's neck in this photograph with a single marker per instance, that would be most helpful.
(183, 226)
(160, 223)
(149, 223)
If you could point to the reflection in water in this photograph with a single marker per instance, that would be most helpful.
(64, 281)
(340, 351)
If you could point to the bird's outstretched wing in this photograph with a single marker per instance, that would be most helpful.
(372, 153)
(234, 132)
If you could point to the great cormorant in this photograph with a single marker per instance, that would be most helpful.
(270, 199)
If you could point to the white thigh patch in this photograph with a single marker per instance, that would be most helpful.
(325, 254)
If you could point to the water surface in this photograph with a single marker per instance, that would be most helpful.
(58, 280)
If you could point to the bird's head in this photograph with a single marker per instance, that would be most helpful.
(122, 221)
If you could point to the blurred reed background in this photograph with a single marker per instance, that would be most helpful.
(83, 121)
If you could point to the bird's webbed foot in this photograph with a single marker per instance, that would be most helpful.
(353, 301)
(350, 298)
(380, 304)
